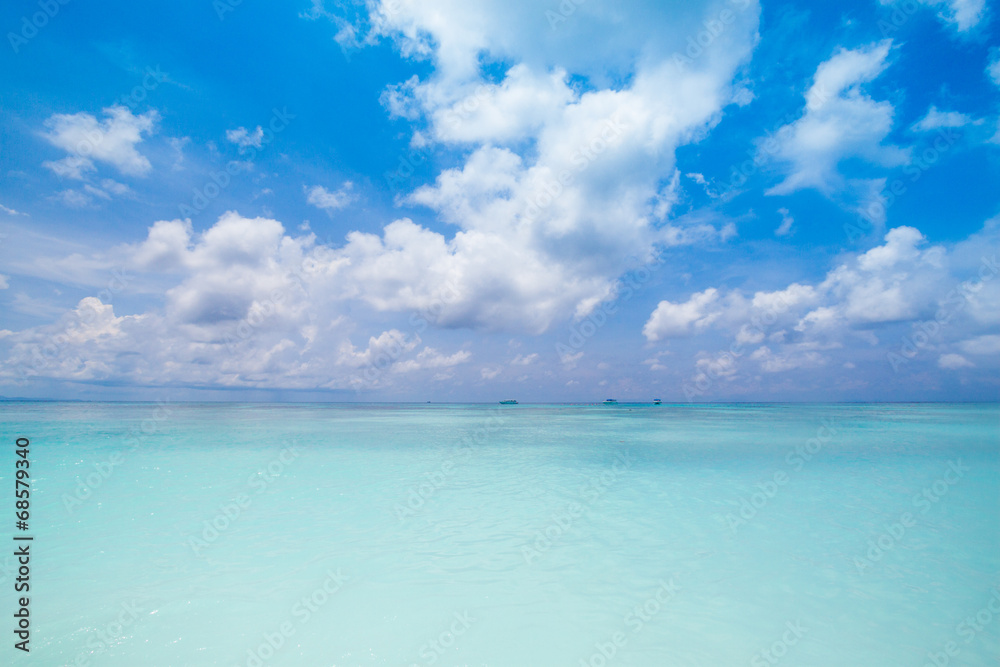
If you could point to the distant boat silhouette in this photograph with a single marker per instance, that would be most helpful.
(508, 401)
(610, 401)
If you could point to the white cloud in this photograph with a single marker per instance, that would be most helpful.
(963, 15)
(85, 338)
(749, 335)
(347, 34)
(558, 150)
(71, 166)
(245, 303)
(10, 211)
(966, 14)
(561, 182)
(97, 192)
(712, 308)
(177, 145)
(993, 71)
(952, 293)
(840, 122)
(654, 362)
(954, 361)
(935, 120)
(672, 320)
(381, 350)
(514, 109)
(792, 359)
(793, 296)
(722, 365)
(888, 283)
(901, 245)
(993, 68)
(322, 198)
(73, 198)
(166, 247)
(431, 358)
(244, 138)
(112, 140)
(524, 360)
(569, 359)
(785, 228)
(115, 187)
(3, 281)
(400, 99)
(249, 307)
(869, 194)
(702, 181)
(982, 345)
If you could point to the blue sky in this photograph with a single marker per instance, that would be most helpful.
(696, 201)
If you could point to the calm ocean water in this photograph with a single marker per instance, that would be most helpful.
(208, 534)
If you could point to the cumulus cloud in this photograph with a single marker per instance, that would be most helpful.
(963, 15)
(245, 138)
(721, 365)
(561, 183)
(524, 360)
(114, 187)
(981, 345)
(80, 346)
(246, 303)
(381, 349)
(249, 305)
(952, 361)
(733, 309)
(948, 295)
(888, 283)
(560, 186)
(329, 201)
(935, 120)
(112, 140)
(993, 68)
(840, 121)
(518, 107)
(671, 320)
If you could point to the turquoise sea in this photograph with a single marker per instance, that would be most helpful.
(353, 534)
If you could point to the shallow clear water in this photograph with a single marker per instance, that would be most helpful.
(514, 535)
